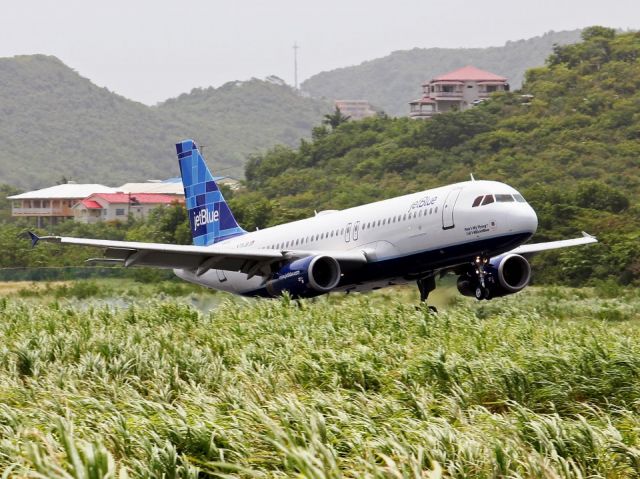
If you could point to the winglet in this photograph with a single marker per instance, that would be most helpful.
(34, 238)
(587, 235)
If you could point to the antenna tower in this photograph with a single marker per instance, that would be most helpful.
(295, 64)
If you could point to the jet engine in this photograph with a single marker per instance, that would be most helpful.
(305, 277)
(505, 274)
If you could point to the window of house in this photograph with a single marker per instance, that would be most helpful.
(119, 211)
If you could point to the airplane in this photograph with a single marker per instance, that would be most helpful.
(474, 229)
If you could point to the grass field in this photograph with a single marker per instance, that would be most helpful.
(545, 383)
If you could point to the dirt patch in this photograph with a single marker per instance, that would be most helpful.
(12, 287)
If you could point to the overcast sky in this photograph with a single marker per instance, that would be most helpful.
(151, 50)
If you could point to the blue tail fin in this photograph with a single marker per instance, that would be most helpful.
(209, 215)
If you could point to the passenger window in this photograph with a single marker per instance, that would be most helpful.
(519, 198)
(487, 200)
(504, 198)
(477, 201)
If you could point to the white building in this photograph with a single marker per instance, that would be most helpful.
(456, 91)
(118, 206)
(167, 187)
(53, 204)
(355, 109)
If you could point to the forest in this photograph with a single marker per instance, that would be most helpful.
(569, 141)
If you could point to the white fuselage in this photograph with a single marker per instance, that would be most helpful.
(402, 237)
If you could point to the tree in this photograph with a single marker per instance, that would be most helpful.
(335, 119)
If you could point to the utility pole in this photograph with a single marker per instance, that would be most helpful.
(295, 64)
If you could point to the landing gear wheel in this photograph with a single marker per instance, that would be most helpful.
(482, 293)
(433, 309)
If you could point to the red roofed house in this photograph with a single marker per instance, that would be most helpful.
(118, 206)
(457, 90)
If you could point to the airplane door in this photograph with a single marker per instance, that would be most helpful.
(356, 227)
(447, 208)
(347, 233)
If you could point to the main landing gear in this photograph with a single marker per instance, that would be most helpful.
(425, 286)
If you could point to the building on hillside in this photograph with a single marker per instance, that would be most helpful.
(60, 202)
(118, 206)
(173, 185)
(166, 187)
(53, 204)
(355, 109)
(456, 91)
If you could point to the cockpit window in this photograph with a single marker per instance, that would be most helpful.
(477, 201)
(487, 200)
(504, 198)
(519, 198)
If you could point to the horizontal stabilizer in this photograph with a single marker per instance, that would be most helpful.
(34, 238)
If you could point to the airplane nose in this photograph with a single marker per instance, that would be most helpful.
(523, 219)
(529, 220)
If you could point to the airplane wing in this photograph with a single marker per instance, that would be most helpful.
(252, 261)
(538, 247)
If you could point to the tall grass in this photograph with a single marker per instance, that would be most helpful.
(541, 384)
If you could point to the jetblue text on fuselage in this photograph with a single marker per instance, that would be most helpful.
(205, 217)
(422, 202)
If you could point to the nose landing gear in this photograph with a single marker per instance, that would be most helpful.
(481, 290)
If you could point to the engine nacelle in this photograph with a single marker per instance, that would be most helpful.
(306, 277)
(505, 274)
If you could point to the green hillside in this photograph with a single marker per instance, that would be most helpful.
(392, 81)
(57, 124)
(572, 149)
(242, 118)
